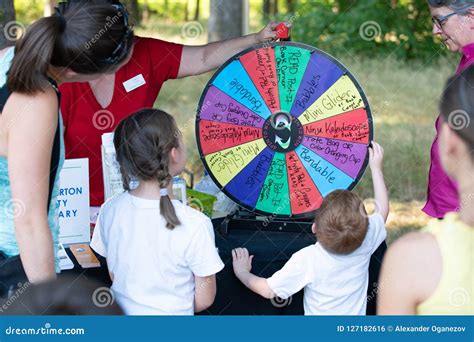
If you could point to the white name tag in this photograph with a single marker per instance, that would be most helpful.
(134, 83)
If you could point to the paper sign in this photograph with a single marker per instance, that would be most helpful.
(73, 202)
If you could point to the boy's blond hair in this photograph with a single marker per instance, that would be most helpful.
(341, 222)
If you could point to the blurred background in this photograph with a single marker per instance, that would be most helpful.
(386, 44)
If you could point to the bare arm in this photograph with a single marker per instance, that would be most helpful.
(411, 271)
(380, 190)
(205, 292)
(242, 263)
(196, 60)
(30, 140)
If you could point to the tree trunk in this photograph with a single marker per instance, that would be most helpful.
(266, 9)
(7, 17)
(275, 7)
(186, 14)
(145, 12)
(196, 13)
(134, 10)
(345, 5)
(225, 20)
(290, 6)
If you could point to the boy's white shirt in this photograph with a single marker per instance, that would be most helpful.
(333, 284)
(153, 266)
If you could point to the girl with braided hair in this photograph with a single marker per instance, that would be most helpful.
(160, 253)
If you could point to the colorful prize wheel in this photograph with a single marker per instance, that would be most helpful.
(279, 126)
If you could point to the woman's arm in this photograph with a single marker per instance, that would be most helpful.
(196, 60)
(205, 292)
(411, 271)
(33, 122)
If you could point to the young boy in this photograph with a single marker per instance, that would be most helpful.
(333, 271)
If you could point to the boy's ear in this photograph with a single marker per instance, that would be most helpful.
(313, 228)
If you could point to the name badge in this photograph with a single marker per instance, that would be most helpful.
(134, 83)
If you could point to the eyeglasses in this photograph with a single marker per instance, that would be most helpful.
(439, 21)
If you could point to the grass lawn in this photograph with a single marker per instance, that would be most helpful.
(403, 98)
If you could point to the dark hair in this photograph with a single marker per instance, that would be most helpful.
(455, 5)
(341, 222)
(81, 35)
(143, 142)
(457, 105)
(66, 295)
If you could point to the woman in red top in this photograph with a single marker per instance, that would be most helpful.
(92, 108)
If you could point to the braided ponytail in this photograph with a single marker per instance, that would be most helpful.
(166, 206)
(143, 142)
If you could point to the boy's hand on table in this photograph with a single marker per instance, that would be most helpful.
(241, 260)
(242, 263)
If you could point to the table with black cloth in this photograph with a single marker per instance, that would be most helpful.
(272, 249)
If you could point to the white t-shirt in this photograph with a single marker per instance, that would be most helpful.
(153, 266)
(333, 284)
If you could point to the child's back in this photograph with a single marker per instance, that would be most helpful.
(160, 253)
(334, 284)
(334, 272)
(153, 266)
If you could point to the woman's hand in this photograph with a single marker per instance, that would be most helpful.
(269, 32)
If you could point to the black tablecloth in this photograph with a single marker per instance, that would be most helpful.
(271, 250)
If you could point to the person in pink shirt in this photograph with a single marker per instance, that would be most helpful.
(453, 21)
